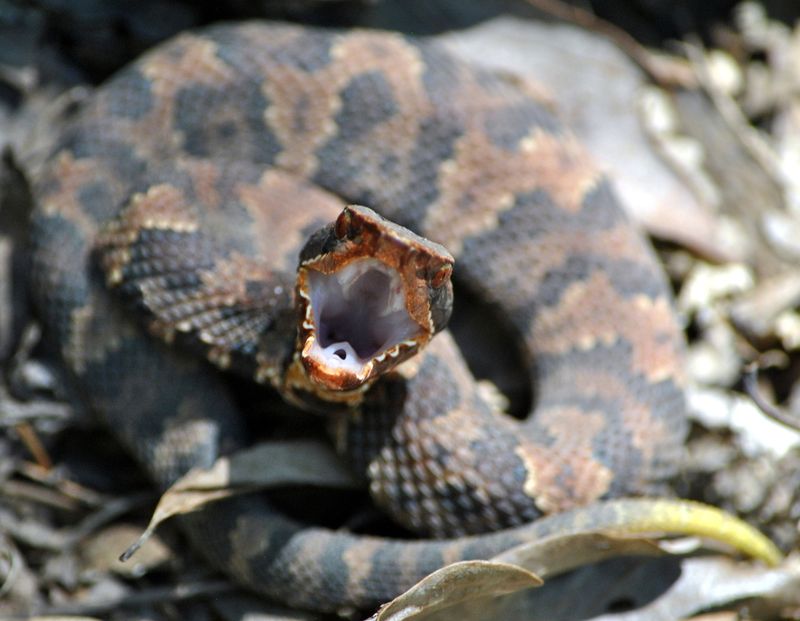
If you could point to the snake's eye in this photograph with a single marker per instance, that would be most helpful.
(343, 222)
(442, 275)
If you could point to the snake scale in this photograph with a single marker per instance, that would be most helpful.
(168, 224)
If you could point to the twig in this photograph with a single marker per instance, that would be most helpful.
(70, 489)
(14, 413)
(34, 445)
(38, 494)
(27, 434)
(31, 533)
(750, 382)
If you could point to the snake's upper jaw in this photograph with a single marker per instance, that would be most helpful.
(365, 290)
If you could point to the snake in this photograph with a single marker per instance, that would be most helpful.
(293, 205)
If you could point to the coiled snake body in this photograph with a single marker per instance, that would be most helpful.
(191, 182)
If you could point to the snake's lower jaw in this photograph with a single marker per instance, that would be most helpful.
(336, 367)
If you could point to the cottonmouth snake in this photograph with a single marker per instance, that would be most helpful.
(176, 203)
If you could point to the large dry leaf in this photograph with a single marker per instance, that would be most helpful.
(266, 465)
(441, 596)
(646, 589)
(718, 582)
(479, 589)
(468, 583)
(555, 555)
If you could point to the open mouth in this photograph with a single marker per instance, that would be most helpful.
(359, 315)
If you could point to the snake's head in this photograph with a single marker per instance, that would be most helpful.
(370, 294)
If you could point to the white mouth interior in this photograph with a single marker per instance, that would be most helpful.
(359, 313)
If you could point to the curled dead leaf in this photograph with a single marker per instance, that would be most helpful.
(718, 582)
(264, 466)
(468, 582)
(554, 555)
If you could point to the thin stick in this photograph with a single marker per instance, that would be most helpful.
(750, 381)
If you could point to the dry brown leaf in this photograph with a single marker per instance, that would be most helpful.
(554, 555)
(479, 589)
(678, 591)
(717, 582)
(266, 465)
(468, 582)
